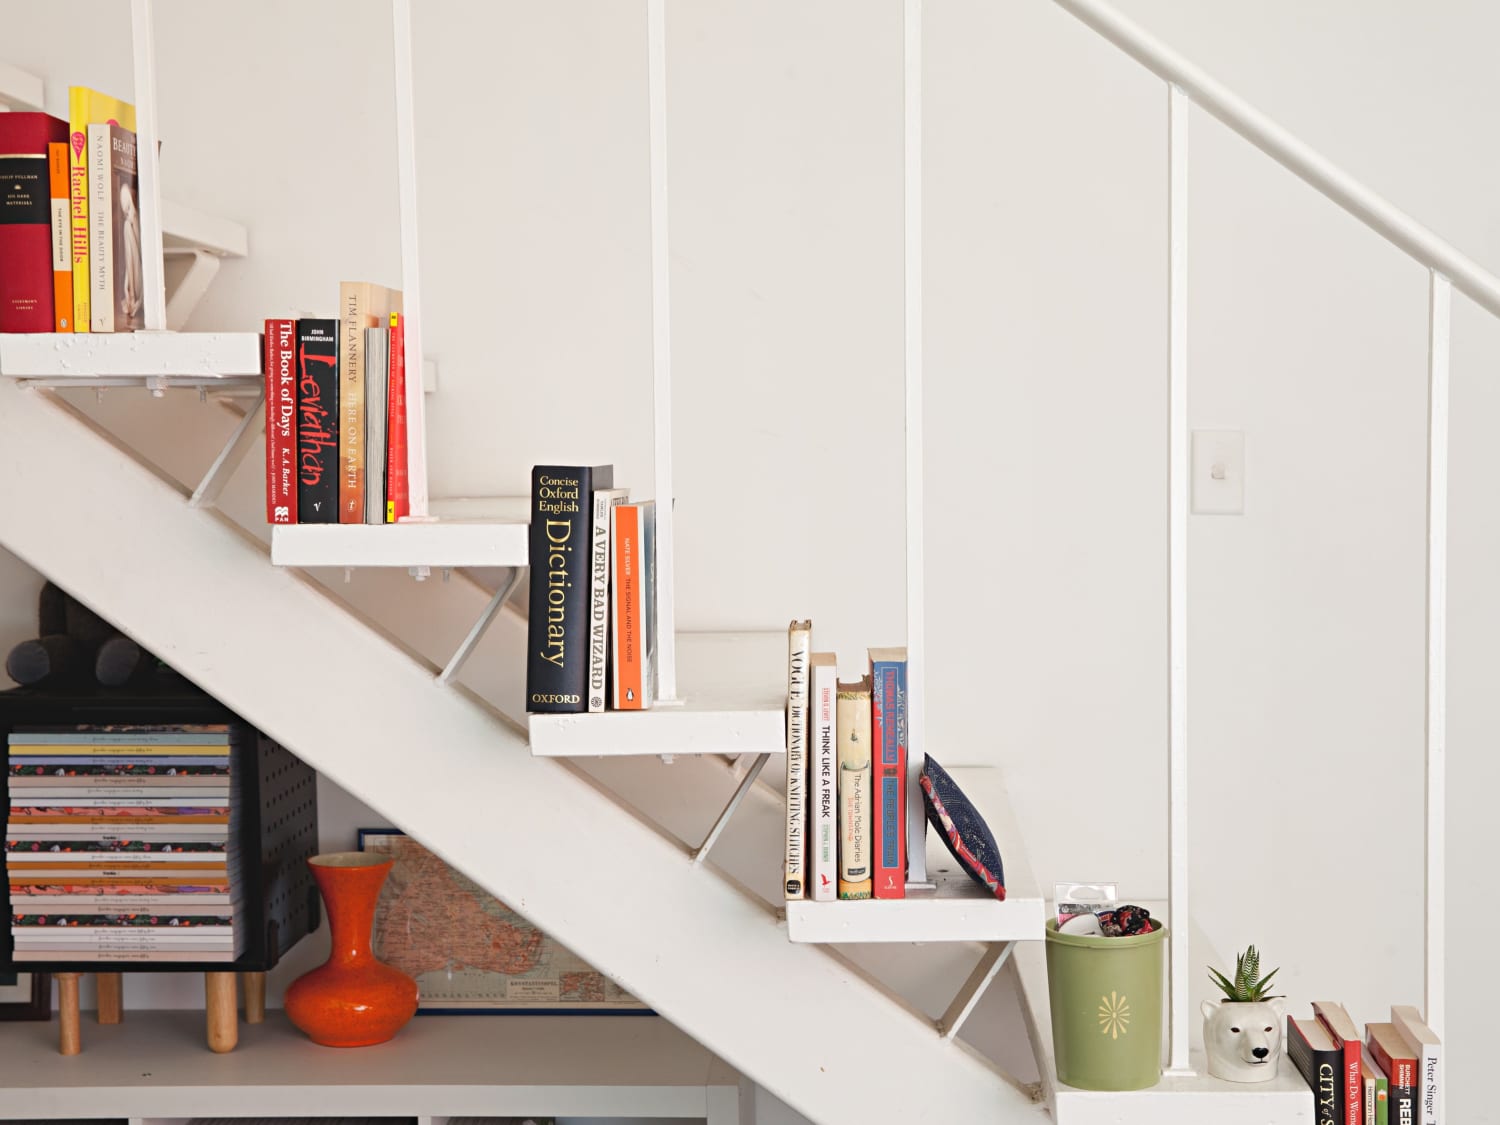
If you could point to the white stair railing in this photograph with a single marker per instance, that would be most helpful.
(1448, 269)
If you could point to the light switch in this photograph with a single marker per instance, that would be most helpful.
(1218, 472)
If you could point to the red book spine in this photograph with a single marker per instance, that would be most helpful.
(1354, 1084)
(888, 756)
(397, 489)
(281, 422)
(26, 221)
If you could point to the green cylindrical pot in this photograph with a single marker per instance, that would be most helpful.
(1106, 996)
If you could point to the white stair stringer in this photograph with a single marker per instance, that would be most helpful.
(202, 595)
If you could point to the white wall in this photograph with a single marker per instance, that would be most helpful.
(1046, 345)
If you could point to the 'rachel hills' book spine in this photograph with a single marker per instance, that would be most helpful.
(281, 428)
(557, 650)
(318, 421)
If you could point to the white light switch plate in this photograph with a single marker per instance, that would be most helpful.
(1219, 472)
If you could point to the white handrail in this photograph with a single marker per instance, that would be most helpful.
(1377, 213)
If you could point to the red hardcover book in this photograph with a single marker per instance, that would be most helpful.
(397, 491)
(888, 759)
(1345, 1035)
(281, 421)
(1390, 1052)
(26, 220)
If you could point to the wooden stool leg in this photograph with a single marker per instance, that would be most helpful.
(255, 996)
(69, 1041)
(111, 997)
(223, 1019)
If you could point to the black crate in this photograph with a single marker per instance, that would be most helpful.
(279, 819)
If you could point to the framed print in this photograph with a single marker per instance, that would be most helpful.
(468, 951)
(25, 996)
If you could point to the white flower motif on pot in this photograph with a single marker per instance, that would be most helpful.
(1242, 1039)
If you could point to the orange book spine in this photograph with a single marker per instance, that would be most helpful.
(62, 236)
(625, 544)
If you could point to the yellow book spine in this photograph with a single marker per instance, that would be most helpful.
(86, 107)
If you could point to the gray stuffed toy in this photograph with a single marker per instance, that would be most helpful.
(77, 648)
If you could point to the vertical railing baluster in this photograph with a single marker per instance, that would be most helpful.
(148, 166)
(1439, 329)
(916, 672)
(1178, 485)
(661, 355)
(411, 272)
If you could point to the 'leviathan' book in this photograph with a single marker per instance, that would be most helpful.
(557, 648)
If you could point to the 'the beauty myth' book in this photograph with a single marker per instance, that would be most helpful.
(557, 646)
(117, 303)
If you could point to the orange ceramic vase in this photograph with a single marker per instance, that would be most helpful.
(352, 1000)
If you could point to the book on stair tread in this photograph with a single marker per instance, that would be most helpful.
(1391, 1053)
(397, 480)
(62, 236)
(362, 304)
(557, 658)
(1312, 1051)
(317, 365)
(602, 505)
(887, 668)
(794, 864)
(1428, 1049)
(86, 107)
(822, 777)
(1377, 1092)
(281, 421)
(26, 282)
(117, 303)
(633, 578)
(1345, 1035)
(856, 851)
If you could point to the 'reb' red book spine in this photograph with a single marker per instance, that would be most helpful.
(281, 421)
(26, 220)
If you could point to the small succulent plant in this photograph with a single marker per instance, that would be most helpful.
(1248, 986)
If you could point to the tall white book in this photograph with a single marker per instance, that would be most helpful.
(604, 500)
(799, 642)
(822, 781)
(1428, 1049)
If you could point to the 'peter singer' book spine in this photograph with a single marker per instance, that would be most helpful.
(318, 421)
(557, 650)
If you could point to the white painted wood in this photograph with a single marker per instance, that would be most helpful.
(661, 356)
(916, 696)
(442, 543)
(510, 509)
(496, 602)
(636, 1066)
(18, 89)
(489, 802)
(954, 908)
(186, 229)
(989, 966)
(734, 692)
(244, 436)
(148, 165)
(746, 784)
(1191, 1097)
(191, 288)
(411, 271)
(1439, 335)
(1179, 499)
(1377, 213)
(211, 356)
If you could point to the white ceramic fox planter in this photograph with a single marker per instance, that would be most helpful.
(1242, 1039)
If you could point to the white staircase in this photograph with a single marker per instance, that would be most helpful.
(200, 593)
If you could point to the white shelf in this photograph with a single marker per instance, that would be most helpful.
(185, 229)
(19, 90)
(124, 358)
(956, 908)
(733, 687)
(1286, 1100)
(155, 1064)
(442, 543)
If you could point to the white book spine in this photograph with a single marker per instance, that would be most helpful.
(377, 386)
(604, 500)
(799, 641)
(822, 782)
(1428, 1051)
(101, 234)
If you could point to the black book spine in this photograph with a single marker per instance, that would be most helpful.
(317, 421)
(1403, 1105)
(1321, 1070)
(557, 650)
